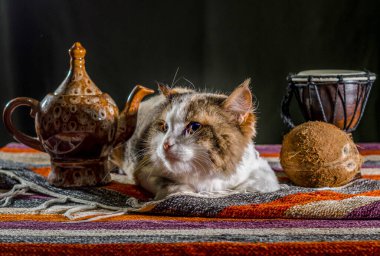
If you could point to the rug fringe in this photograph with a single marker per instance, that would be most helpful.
(70, 213)
(50, 203)
(7, 197)
(84, 207)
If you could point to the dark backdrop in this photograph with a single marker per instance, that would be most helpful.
(216, 45)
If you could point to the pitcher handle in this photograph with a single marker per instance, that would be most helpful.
(32, 142)
(285, 106)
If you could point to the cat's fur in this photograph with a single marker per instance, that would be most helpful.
(219, 156)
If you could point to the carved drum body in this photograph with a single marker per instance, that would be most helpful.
(338, 97)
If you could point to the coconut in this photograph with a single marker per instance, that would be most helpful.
(318, 154)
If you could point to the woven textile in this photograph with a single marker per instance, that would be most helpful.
(120, 219)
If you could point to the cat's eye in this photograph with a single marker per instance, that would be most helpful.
(163, 126)
(192, 127)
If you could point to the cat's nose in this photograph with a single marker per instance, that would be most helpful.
(167, 146)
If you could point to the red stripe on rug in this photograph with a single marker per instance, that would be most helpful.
(205, 248)
(366, 152)
(267, 154)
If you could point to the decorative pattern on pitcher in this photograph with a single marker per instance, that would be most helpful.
(75, 114)
(77, 126)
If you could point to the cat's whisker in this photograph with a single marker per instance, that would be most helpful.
(175, 75)
(146, 150)
(142, 154)
(203, 165)
(187, 80)
(203, 154)
(197, 165)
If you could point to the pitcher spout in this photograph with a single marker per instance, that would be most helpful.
(128, 117)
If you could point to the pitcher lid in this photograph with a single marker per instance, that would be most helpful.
(77, 81)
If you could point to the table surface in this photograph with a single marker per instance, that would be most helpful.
(343, 221)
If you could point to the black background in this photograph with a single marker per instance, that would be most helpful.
(215, 44)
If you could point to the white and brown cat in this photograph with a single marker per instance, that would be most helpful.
(189, 141)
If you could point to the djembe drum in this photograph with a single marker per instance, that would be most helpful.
(334, 96)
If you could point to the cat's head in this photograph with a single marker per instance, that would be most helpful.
(202, 132)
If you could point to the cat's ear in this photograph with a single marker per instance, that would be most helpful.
(166, 90)
(239, 102)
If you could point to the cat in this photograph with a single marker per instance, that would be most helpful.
(189, 141)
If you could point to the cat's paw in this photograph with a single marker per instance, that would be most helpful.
(172, 189)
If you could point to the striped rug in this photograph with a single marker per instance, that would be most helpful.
(119, 219)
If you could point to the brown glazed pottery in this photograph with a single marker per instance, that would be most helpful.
(78, 126)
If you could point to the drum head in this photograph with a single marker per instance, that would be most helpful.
(332, 75)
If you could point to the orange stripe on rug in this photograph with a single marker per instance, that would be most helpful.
(33, 217)
(43, 171)
(370, 193)
(277, 208)
(19, 150)
(371, 177)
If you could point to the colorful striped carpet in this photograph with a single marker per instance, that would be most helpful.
(119, 219)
